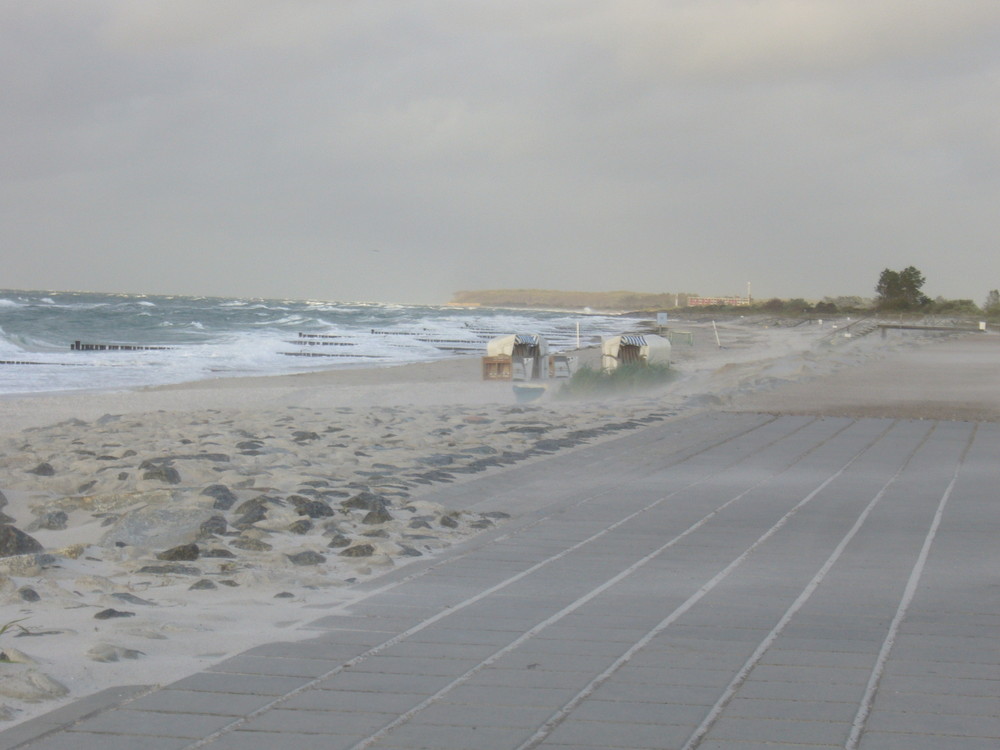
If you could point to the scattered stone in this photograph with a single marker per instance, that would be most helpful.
(28, 594)
(306, 558)
(359, 550)
(377, 534)
(406, 551)
(439, 460)
(218, 552)
(229, 582)
(13, 541)
(162, 473)
(304, 436)
(448, 522)
(44, 469)
(203, 585)
(284, 595)
(179, 570)
(214, 526)
(250, 544)
(252, 515)
(185, 552)
(108, 614)
(364, 501)
(377, 516)
(315, 509)
(302, 526)
(160, 524)
(224, 497)
(339, 541)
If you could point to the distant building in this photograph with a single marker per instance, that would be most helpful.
(729, 301)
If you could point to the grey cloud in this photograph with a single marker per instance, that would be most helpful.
(401, 151)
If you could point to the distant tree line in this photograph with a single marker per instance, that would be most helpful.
(896, 292)
(902, 291)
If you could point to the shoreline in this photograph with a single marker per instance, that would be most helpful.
(263, 475)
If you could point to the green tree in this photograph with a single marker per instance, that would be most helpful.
(992, 304)
(901, 290)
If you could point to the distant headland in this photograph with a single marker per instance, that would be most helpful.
(551, 299)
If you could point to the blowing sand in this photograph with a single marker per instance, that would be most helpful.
(168, 528)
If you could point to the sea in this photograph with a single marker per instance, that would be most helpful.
(82, 341)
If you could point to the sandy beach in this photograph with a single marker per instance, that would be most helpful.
(162, 530)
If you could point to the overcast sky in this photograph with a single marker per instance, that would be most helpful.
(399, 151)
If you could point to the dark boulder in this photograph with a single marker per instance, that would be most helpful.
(214, 526)
(108, 614)
(218, 552)
(250, 544)
(359, 550)
(168, 569)
(181, 552)
(306, 558)
(53, 521)
(44, 469)
(377, 516)
(13, 541)
(162, 473)
(223, 496)
(315, 509)
(364, 501)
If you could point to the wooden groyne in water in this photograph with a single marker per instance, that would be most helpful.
(78, 346)
(320, 336)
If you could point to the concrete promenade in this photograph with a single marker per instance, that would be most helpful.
(724, 581)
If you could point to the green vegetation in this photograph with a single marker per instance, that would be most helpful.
(992, 305)
(12, 624)
(900, 290)
(942, 306)
(625, 379)
(897, 292)
(9, 626)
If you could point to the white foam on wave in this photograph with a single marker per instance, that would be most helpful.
(209, 338)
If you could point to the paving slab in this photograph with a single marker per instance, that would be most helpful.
(734, 581)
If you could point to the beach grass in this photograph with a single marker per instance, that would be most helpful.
(630, 378)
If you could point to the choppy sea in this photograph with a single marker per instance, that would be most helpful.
(130, 341)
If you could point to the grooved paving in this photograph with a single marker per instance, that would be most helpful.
(721, 581)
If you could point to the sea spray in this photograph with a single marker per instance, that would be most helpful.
(210, 337)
